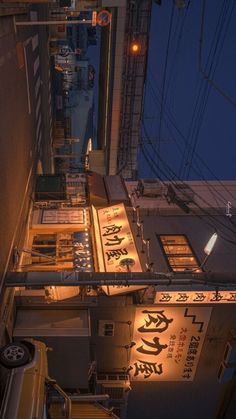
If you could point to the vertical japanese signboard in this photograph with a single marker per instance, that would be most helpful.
(117, 245)
(167, 342)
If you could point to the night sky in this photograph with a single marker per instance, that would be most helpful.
(188, 129)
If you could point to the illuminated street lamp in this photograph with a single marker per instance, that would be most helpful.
(135, 47)
(207, 250)
(210, 244)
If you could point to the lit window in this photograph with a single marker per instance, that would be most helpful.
(178, 252)
(44, 248)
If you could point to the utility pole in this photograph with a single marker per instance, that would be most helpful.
(73, 278)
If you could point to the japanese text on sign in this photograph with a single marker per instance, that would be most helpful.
(117, 239)
(168, 342)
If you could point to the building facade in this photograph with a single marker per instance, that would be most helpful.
(175, 337)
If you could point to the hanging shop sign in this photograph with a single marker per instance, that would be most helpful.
(63, 216)
(117, 240)
(116, 243)
(196, 297)
(167, 342)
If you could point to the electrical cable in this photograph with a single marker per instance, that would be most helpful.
(207, 91)
(204, 74)
(170, 118)
(203, 95)
(164, 76)
(202, 217)
(173, 176)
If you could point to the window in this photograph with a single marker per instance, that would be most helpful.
(44, 248)
(178, 252)
(66, 250)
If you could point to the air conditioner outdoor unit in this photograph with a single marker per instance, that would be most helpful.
(151, 187)
(180, 192)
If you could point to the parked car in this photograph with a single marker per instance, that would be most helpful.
(30, 393)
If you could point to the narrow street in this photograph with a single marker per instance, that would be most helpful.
(25, 137)
(24, 93)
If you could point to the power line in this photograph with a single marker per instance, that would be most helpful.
(164, 75)
(171, 118)
(204, 74)
(206, 221)
(217, 51)
(173, 176)
(203, 95)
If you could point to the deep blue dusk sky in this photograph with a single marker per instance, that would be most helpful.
(185, 116)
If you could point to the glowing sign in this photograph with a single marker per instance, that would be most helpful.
(196, 297)
(117, 240)
(116, 244)
(94, 18)
(167, 342)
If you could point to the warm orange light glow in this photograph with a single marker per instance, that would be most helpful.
(114, 226)
(135, 47)
(163, 340)
(115, 245)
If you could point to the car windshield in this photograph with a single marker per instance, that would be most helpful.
(57, 404)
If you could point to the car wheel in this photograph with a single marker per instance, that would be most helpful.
(14, 355)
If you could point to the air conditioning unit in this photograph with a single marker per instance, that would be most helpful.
(180, 192)
(116, 392)
(106, 328)
(116, 385)
(151, 187)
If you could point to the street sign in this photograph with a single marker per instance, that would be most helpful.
(94, 18)
(103, 18)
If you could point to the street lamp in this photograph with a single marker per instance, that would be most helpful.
(207, 250)
(209, 247)
(135, 47)
(210, 244)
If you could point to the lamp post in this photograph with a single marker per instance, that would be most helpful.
(208, 248)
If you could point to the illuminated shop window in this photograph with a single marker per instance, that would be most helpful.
(44, 248)
(66, 250)
(178, 252)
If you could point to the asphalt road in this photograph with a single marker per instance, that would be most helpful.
(24, 125)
